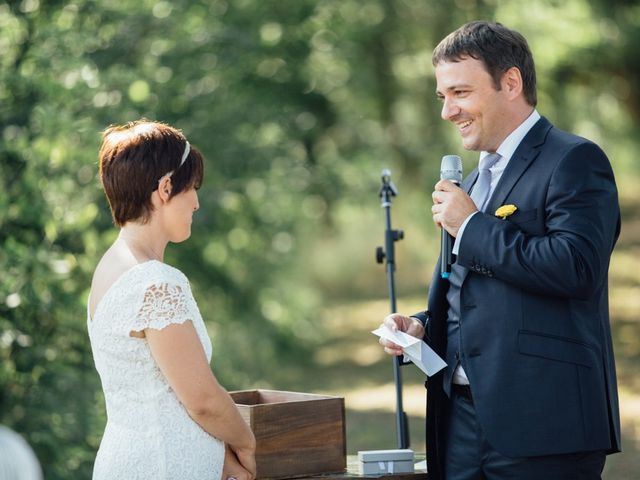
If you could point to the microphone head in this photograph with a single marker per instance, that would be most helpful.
(451, 168)
(386, 175)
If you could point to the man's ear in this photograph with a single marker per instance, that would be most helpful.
(164, 189)
(512, 82)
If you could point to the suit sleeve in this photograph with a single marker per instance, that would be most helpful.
(582, 221)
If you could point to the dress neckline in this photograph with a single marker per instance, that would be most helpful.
(112, 287)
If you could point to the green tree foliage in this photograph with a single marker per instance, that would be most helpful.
(296, 104)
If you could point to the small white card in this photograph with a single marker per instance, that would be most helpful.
(421, 354)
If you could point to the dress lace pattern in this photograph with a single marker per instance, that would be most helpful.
(149, 434)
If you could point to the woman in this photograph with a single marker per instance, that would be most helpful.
(167, 416)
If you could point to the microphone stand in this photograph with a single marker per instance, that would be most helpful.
(387, 253)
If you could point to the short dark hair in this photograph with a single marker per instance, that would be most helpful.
(498, 47)
(134, 157)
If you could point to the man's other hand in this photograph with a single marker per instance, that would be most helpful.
(408, 325)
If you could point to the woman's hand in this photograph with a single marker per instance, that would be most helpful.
(247, 459)
(233, 469)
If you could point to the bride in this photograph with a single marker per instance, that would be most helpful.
(167, 416)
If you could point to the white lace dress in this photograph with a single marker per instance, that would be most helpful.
(149, 434)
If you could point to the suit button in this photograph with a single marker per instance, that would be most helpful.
(483, 271)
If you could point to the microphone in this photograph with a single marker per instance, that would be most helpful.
(450, 169)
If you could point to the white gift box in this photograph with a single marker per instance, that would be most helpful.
(374, 462)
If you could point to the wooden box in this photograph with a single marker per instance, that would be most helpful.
(297, 434)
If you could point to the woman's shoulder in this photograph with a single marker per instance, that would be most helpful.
(133, 279)
(154, 272)
(164, 271)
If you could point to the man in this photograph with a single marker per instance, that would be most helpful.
(522, 322)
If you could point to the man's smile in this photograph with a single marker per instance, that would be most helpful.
(464, 126)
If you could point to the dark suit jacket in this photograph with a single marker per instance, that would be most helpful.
(536, 340)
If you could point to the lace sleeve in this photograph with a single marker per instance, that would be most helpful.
(163, 304)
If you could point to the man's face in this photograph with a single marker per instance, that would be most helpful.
(471, 102)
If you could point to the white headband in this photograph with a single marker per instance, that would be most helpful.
(187, 149)
(185, 154)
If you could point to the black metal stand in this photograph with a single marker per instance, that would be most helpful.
(387, 253)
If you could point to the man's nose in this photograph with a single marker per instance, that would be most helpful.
(449, 109)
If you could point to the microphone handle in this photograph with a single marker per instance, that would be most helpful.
(446, 245)
(445, 254)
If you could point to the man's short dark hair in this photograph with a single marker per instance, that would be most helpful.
(134, 157)
(494, 45)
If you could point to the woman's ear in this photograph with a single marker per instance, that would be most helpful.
(164, 189)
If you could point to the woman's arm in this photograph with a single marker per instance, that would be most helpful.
(181, 358)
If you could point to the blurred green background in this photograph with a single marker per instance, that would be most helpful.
(297, 106)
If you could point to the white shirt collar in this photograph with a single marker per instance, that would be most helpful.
(509, 145)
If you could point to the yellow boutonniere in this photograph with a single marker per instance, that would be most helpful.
(505, 210)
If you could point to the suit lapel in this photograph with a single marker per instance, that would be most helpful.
(524, 155)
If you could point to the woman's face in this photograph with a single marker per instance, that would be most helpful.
(178, 215)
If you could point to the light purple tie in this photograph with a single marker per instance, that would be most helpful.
(482, 187)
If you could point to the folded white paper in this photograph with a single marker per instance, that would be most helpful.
(414, 349)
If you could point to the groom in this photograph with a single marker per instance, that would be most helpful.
(522, 322)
